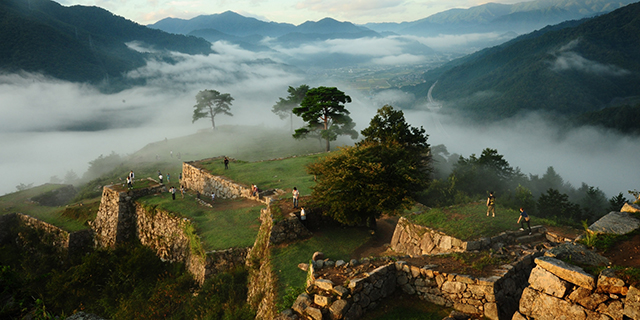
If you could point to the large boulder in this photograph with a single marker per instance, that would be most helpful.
(567, 272)
(615, 223)
(578, 253)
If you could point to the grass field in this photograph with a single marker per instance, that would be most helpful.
(229, 224)
(336, 244)
(18, 202)
(281, 174)
(469, 221)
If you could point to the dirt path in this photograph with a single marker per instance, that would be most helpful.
(379, 243)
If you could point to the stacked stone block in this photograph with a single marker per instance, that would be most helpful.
(559, 290)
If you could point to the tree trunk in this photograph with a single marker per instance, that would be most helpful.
(328, 148)
(213, 122)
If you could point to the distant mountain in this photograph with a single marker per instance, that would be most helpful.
(248, 32)
(571, 69)
(227, 22)
(78, 43)
(521, 17)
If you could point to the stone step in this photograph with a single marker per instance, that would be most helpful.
(535, 237)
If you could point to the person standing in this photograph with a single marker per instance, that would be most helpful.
(213, 197)
(491, 204)
(131, 176)
(524, 217)
(173, 193)
(160, 177)
(226, 163)
(296, 194)
(129, 185)
(182, 191)
(303, 217)
(168, 178)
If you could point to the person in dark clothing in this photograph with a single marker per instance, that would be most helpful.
(226, 163)
(524, 217)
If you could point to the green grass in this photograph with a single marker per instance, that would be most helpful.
(18, 202)
(218, 229)
(469, 221)
(281, 174)
(406, 308)
(336, 244)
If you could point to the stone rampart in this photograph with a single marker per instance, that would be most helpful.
(415, 240)
(288, 229)
(199, 180)
(66, 243)
(559, 290)
(262, 281)
(495, 297)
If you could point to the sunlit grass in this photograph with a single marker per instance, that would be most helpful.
(19, 202)
(468, 222)
(218, 229)
(336, 244)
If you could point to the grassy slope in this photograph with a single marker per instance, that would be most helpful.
(468, 222)
(18, 202)
(218, 229)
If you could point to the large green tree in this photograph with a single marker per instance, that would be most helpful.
(284, 107)
(380, 175)
(323, 110)
(211, 103)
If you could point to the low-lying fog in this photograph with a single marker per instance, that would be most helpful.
(43, 127)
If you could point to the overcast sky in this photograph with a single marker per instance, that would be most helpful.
(290, 11)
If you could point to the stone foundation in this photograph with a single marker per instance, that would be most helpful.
(415, 240)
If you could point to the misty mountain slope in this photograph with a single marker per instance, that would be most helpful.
(568, 71)
(520, 17)
(78, 43)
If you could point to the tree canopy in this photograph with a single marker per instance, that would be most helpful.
(323, 110)
(377, 175)
(284, 107)
(211, 103)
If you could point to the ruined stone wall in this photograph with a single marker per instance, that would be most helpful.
(199, 180)
(288, 229)
(559, 290)
(66, 243)
(495, 297)
(262, 282)
(415, 240)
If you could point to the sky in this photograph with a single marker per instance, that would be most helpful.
(290, 11)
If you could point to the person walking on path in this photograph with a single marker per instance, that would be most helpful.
(296, 194)
(129, 185)
(173, 192)
(524, 217)
(226, 163)
(491, 204)
(131, 176)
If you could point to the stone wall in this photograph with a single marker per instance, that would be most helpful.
(288, 229)
(262, 281)
(199, 180)
(66, 243)
(121, 219)
(559, 290)
(116, 218)
(415, 240)
(495, 297)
